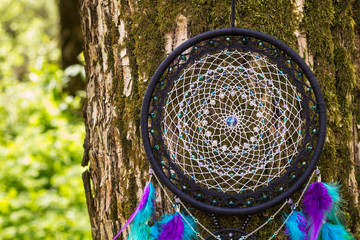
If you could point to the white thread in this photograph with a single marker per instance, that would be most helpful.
(202, 136)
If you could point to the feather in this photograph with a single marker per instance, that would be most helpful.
(174, 227)
(154, 232)
(295, 226)
(143, 213)
(336, 215)
(190, 228)
(335, 232)
(316, 204)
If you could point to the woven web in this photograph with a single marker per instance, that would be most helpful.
(232, 121)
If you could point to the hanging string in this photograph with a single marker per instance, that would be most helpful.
(233, 14)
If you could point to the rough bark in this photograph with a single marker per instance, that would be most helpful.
(125, 41)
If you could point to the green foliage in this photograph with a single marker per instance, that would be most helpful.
(41, 192)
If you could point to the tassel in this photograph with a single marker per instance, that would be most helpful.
(317, 203)
(335, 232)
(295, 226)
(174, 227)
(142, 215)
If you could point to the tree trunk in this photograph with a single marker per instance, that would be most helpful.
(126, 40)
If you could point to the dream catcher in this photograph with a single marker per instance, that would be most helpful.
(233, 123)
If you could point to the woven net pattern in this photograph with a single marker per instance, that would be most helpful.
(227, 121)
(233, 122)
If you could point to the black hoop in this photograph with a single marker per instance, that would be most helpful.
(302, 166)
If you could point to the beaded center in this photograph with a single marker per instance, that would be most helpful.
(232, 121)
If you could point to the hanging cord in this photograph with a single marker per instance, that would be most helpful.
(233, 14)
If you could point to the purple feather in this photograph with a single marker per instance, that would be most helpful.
(143, 202)
(173, 229)
(317, 202)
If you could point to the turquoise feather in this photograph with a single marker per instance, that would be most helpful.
(139, 228)
(295, 226)
(189, 233)
(336, 215)
(335, 232)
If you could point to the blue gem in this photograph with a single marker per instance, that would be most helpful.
(231, 121)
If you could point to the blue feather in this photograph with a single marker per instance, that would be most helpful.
(336, 215)
(335, 232)
(139, 228)
(154, 232)
(141, 232)
(189, 233)
(334, 191)
(295, 227)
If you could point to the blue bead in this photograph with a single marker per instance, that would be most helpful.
(231, 121)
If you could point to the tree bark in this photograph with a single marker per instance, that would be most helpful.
(126, 40)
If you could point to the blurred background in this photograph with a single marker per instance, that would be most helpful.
(42, 131)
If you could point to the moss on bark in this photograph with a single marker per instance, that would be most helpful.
(330, 30)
